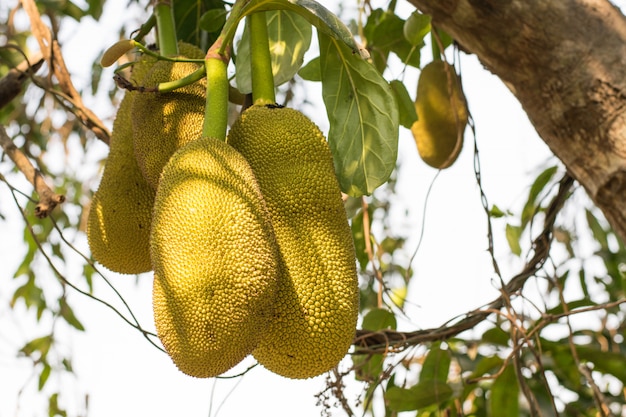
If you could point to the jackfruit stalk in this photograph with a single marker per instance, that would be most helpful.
(441, 115)
(317, 305)
(164, 122)
(118, 227)
(215, 259)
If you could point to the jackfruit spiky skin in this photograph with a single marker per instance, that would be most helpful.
(164, 122)
(118, 228)
(215, 259)
(317, 308)
(441, 115)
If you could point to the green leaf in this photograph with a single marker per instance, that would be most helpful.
(289, 38)
(513, 234)
(311, 71)
(418, 396)
(363, 116)
(599, 234)
(538, 186)
(612, 363)
(40, 344)
(379, 319)
(389, 36)
(316, 14)
(368, 367)
(505, 394)
(68, 314)
(436, 366)
(213, 20)
(188, 15)
(406, 105)
(495, 212)
(496, 336)
(416, 27)
(43, 376)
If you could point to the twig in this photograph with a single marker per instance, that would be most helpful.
(11, 83)
(52, 54)
(367, 341)
(48, 199)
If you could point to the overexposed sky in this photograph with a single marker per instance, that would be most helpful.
(126, 376)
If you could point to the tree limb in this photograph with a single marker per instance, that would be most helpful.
(11, 84)
(48, 198)
(564, 62)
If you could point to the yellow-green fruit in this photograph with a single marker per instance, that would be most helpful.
(118, 227)
(317, 307)
(441, 115)
(164, 122)
(215, 259)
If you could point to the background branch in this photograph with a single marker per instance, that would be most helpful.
(48, 199)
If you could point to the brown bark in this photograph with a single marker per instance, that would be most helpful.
(565, 62)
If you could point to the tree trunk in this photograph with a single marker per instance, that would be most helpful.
(565, 61)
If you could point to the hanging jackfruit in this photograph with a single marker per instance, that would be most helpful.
(215, 259)
(118, 227)
(441, 115)
(317, 305)
(164, 122)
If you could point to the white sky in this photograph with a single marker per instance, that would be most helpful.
(126, 376)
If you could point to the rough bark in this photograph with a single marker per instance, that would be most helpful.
(565, 62)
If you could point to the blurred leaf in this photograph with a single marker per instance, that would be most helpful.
(358, 236)
(406, 106)
(379, 319)
(538, 186)
(505, 394)
(418, 396)
(311, 71)
(368, 367)
(416, 27)
(384, 32)
(68, 314)
(43, 376)
(571, 305)
(363, 117)
(213, 20)
(436, 366)
(95, 8)
(496, 336)
(188, 15)
(53, 407)
(513, 235)
(495, 212)
(289, 38)
(40, 344)
(599, 234)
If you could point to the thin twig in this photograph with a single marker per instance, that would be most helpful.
(48, 199)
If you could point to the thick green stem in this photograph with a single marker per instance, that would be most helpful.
(261, 61)
(216, 109)
(166, 28)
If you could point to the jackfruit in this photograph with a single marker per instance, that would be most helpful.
(317, 305)
(164, 122)
(215, 259)
(118, 227)
(441, 115)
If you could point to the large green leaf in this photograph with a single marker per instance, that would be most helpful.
(436, 366)
(418, 396)
(289, 38)
(189, 14)
(379, 319)
(363, 116)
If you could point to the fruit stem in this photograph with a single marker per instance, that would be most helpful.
(261, 61)
(168, 86)
(217, 86)
(166, 28)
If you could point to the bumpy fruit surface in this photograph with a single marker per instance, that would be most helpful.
(317, 306)
(215, 259)
(118, 227)
(164, 122)
(441, 115)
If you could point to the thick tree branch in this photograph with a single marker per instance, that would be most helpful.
(48, 198)
(11, 84)
(564, 61)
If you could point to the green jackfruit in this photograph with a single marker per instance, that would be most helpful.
(118, 227)
(441, 115)
(215, 259)
(164, 122)
(317, 306)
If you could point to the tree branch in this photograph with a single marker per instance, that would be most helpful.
(52, 54)
(48, 198)
(564, 62)
(11, 84)
(385, 340)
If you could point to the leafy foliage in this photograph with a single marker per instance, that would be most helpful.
(524, 354)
